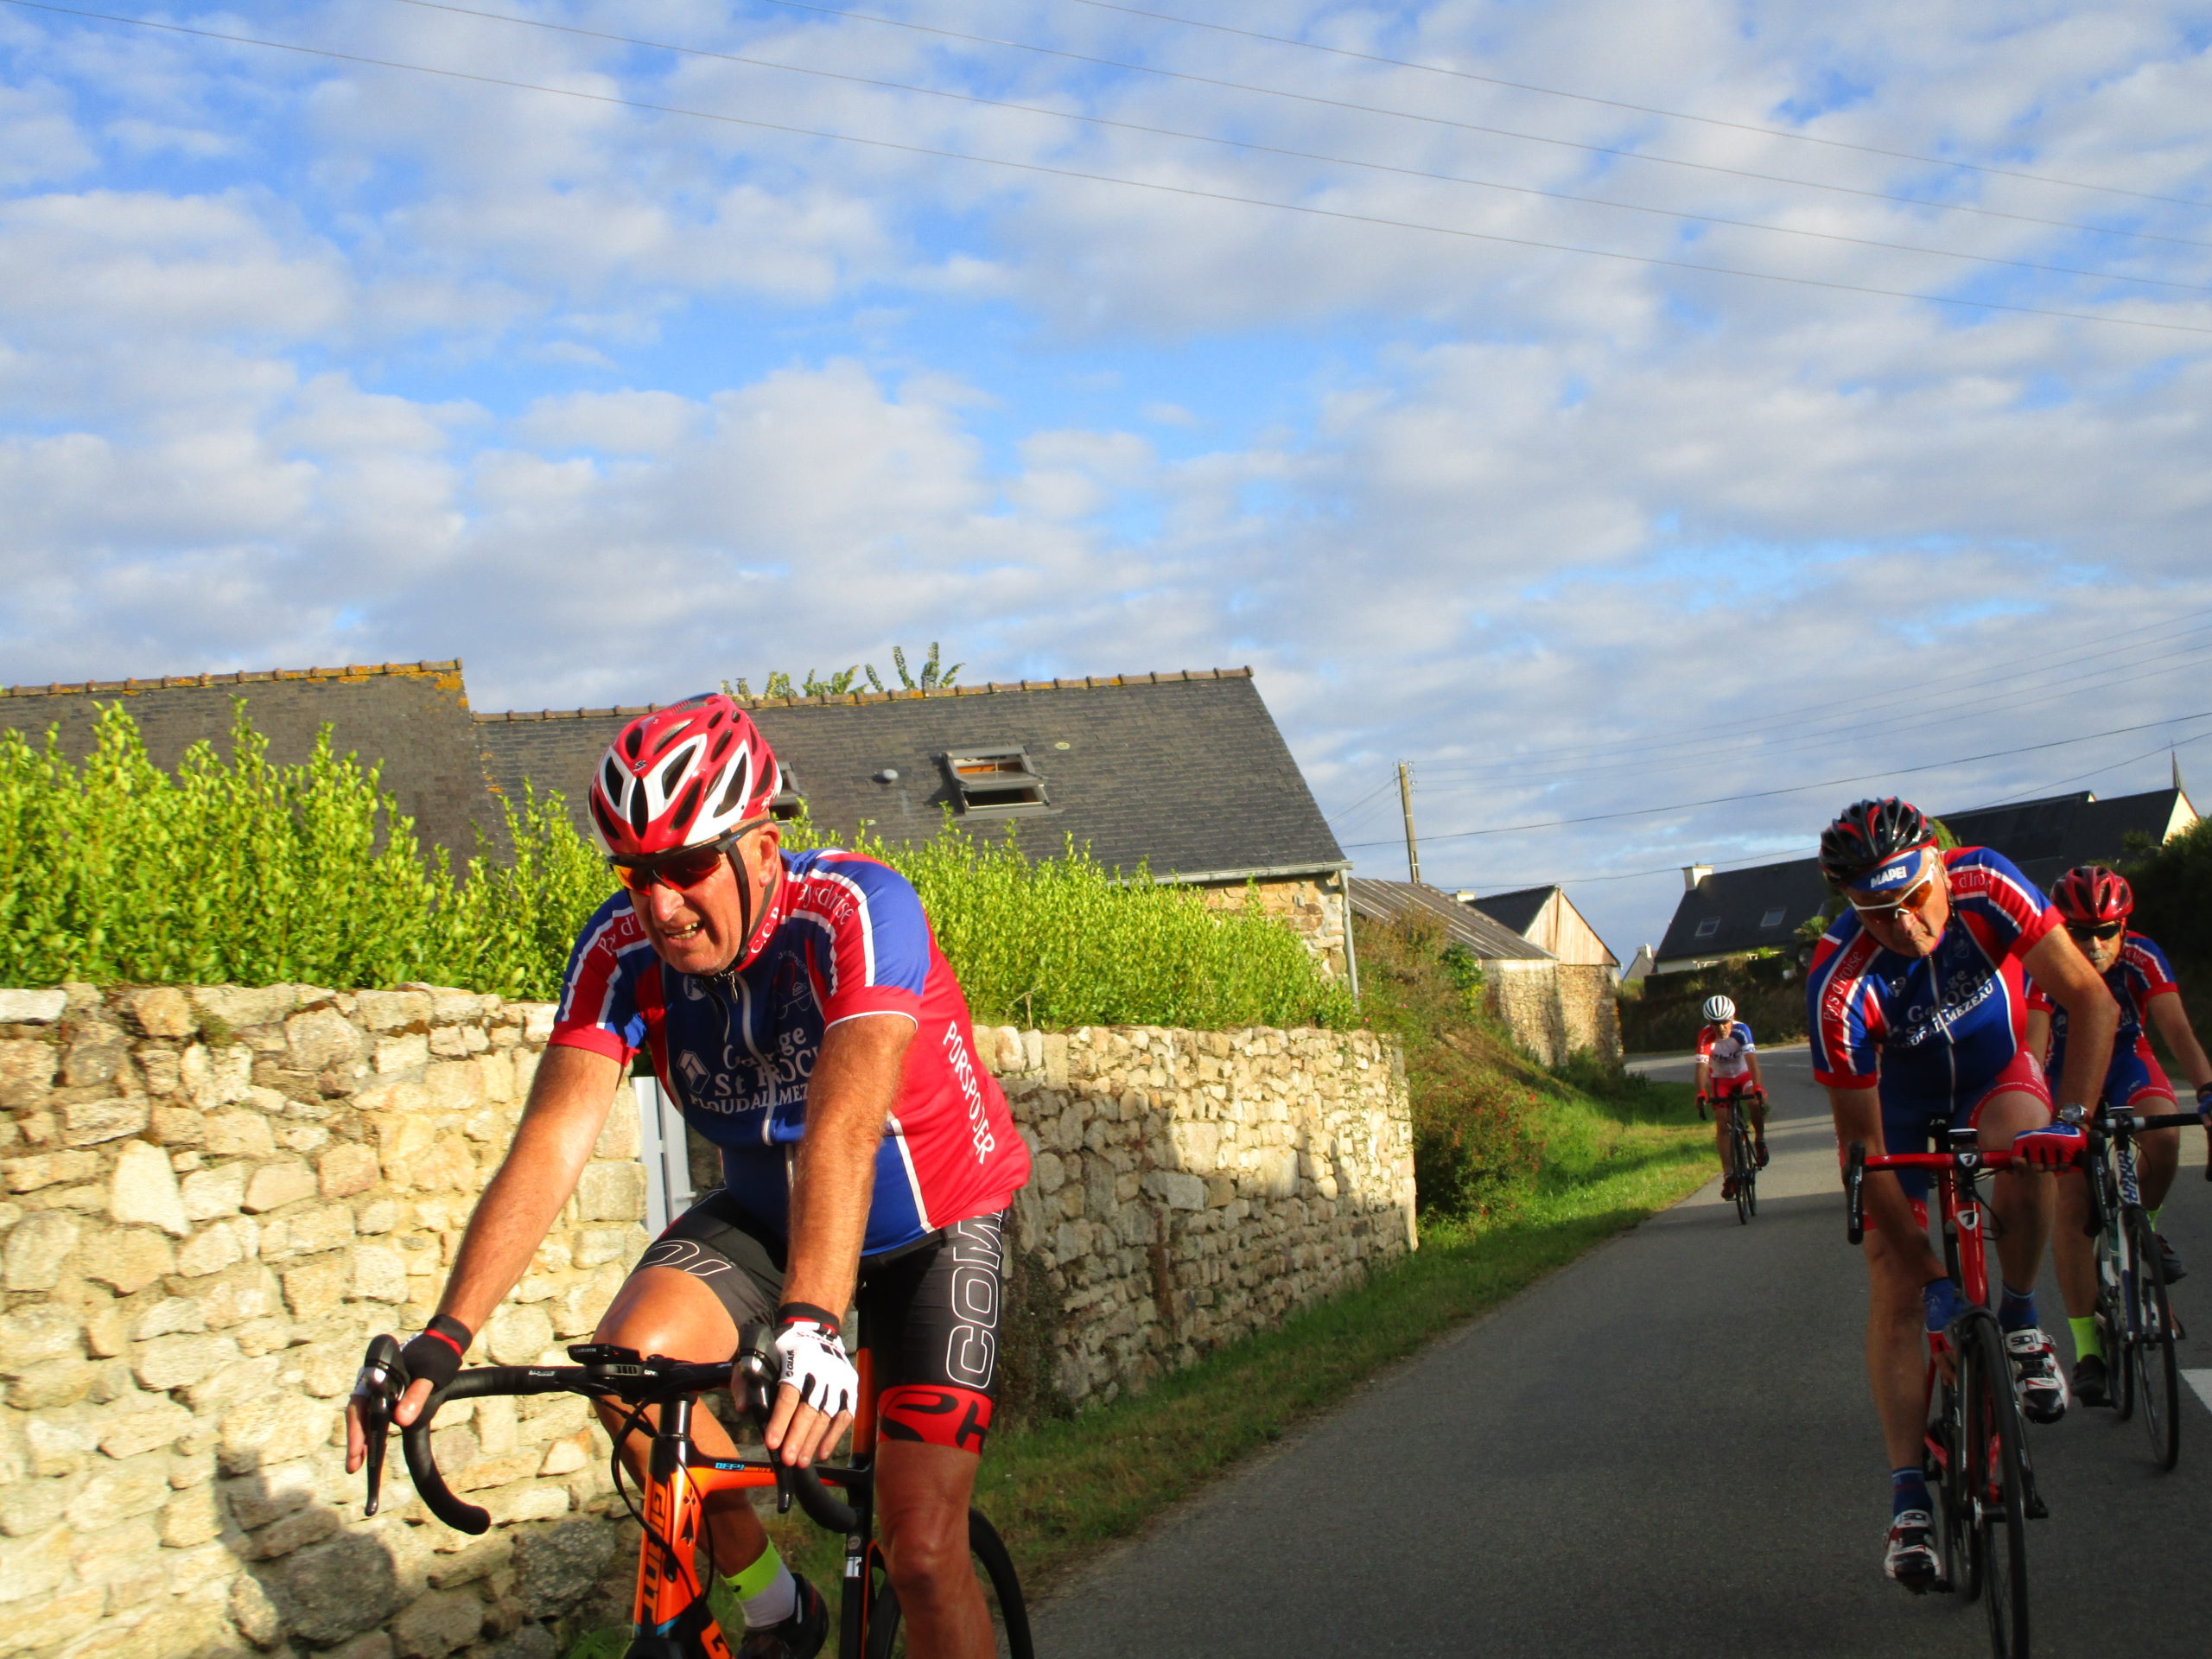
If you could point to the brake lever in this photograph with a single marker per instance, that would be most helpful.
(376, 1390)
(757, 1364)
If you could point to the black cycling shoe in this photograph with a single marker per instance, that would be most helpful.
(1910, 1556)
(799, 1636)
(2174, 1268)
(2091, 1381)
(1758, 1153)
(1727, 1188)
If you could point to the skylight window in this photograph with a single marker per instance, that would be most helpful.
(996, 778)
(1708, 927)
(1773, 917)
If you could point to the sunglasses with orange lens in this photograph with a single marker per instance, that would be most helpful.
(683, 869)
(1916, 898)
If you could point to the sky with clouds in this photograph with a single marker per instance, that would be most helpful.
(1555, 443)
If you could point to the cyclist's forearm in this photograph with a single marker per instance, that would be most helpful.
(567, 1107)
(855, 1083)
(2089, 1032)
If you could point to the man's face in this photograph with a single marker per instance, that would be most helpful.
(1909, 919)
(2104, 951)
(700, 930)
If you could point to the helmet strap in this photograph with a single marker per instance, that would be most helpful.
(749, 924)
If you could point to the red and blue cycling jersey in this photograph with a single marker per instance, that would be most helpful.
(2141, 973)
(845, 937)
(1936, 1030)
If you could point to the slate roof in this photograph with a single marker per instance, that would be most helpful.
(1517, 910)
(2044, 837)
(1185, 770)
(1388, 901)
(412, 717)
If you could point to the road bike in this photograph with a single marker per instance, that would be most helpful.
(2136, 1325)
(672, 1619)
(1743, 1161)
(1975, 1445)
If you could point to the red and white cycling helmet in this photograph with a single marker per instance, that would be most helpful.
(2092, 894)
(682, 776)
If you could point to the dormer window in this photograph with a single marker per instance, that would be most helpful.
(996, 778)
(787, 802)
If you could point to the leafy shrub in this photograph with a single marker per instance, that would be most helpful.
(241, 870)
(1667, 1009)
(1477, 1129)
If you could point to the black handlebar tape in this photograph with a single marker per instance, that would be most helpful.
(415, 1439)
(823, 1509)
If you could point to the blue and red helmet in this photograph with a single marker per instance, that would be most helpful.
(1867, 835)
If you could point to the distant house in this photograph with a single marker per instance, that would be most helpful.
(1184, 775)
(1552, 1007)
(1728, 913)
(1546, 916)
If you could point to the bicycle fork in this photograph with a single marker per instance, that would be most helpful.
(671, 1619)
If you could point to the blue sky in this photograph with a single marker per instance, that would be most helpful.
(305, 361)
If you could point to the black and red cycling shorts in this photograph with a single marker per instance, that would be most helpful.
(929, 1311)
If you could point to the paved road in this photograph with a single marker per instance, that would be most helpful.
(1665, 1449)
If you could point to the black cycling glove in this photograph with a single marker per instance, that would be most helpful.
(436, 1353)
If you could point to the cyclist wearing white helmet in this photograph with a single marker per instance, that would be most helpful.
(1727, 1071)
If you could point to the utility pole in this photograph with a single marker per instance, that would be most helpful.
(1406, 801)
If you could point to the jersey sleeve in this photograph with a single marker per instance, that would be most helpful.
(2010, 912)
(2039, 999)
(1842, 1019)
(1743, 1036)
(599, 1007)
(1706, 1036)
(2147, 965)
(870, 951)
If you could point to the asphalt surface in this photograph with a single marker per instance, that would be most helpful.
(1666, 1448)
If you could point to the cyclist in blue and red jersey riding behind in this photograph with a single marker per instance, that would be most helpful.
(2096, 903)
(797, 1007)
(1727, 1075)
(1916, 1005)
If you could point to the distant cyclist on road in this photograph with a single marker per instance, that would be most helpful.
(1727, 1071)
(2095, 904)
(1918, 1008)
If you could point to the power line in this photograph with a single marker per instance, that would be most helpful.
(1190, 192)
(1464, 126)
(1641, 109)
(2010, 700)
(1799, 788)
(1917, 692)
(1257, 148)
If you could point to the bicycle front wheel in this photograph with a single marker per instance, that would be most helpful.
(1739, 1161)
(2150, 1363)
(1996, 1480)
(995, 1572)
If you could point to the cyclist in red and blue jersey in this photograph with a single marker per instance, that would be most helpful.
(1917, 1006)
(2095, 904)
(1727, 1072)
(797, 1008)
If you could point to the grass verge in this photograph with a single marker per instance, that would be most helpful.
(1060, 1491)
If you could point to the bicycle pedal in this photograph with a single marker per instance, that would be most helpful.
(2035, 1507)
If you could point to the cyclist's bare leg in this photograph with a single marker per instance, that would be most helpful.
(2023, 1199)
(921, 1510)
(661, 1311)
(2158, 1156)
(1721, 1109)
(2072, 1251)
(1896, 1343)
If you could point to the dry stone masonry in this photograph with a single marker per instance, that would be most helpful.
(211, 1197)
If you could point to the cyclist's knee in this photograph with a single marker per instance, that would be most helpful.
(2005, 1116)
(927, 1554)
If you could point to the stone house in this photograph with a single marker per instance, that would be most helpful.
(1551, 1008)
(1184, 775)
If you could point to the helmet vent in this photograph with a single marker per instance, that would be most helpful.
(640, 812)
(689, 803)
(735, 789)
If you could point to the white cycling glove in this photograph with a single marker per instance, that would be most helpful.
(815, 1362)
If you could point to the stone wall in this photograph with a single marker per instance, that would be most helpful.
(1553, 1008)
(1192, 1187)
(211, 1198)
(1315, 911)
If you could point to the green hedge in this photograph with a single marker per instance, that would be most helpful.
(235, 869)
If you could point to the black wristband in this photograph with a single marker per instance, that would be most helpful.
(435, 1354)
(792, 1312)
(452, 1330)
